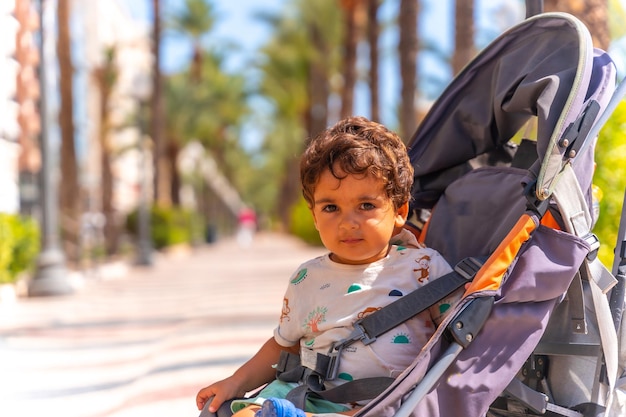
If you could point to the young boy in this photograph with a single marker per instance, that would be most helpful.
(356, 179)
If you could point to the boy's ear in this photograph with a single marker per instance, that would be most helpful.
(401, 214)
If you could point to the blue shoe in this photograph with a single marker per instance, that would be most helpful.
(277, 407)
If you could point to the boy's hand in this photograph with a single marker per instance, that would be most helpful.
(251, 375)
(220, 391)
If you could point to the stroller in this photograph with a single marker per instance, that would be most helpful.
(537, 330)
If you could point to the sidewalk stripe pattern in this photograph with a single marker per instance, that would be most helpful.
(143, 343)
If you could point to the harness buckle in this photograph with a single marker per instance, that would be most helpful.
(334, 352)
(468, 267)
(333, 364)
(594, 245)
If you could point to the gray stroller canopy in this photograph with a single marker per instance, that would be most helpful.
(544, 67)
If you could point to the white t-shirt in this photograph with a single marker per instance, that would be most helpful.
(325, 298)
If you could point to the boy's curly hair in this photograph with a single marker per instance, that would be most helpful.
(358, 146)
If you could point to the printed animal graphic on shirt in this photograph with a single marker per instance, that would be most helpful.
(314, 318)
(424, 265)
(367, 311)
(286, 310)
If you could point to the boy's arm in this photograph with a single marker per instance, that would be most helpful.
(260, 368)
(251, 375)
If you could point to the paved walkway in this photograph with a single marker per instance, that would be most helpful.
(142, 341)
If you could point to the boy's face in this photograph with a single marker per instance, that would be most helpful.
(355, 217)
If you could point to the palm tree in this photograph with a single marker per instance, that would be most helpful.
(69, 187)
(464, 49)
(407, 48)
(286, 83)
(210, 112)
(194, 20)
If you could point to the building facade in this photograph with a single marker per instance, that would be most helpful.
(19, 94)
(97, 26)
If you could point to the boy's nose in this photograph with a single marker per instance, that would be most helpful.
(349, 221)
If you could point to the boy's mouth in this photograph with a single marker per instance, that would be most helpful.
(351, 240)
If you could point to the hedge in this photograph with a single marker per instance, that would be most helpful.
(19, 246)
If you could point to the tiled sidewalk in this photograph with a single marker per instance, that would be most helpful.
(143, 342)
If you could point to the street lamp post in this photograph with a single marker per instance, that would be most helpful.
(51, 276)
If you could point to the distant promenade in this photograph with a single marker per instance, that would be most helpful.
(140, 342)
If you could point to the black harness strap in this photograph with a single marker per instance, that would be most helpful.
(352, 391)
(415, 302)
(381, 321)
(366, 330)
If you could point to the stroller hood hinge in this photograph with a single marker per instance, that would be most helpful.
(576, 133)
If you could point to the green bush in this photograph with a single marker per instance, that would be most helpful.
(19, 246)
(610, 177)
(169, 226)
(301, 223)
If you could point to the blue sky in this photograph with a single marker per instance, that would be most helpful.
(235, 23)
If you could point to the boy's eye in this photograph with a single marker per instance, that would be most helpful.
(329, 208)
(367, 206)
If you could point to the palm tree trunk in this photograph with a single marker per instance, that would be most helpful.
(161, 167)
(319, 90)
(464, 49)
(290, 188)
(351, 40)
(408, 47)
(110, 226)
(373, 32)
(196, 63)
(106, 77)
(69, 192)
(173, 150)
